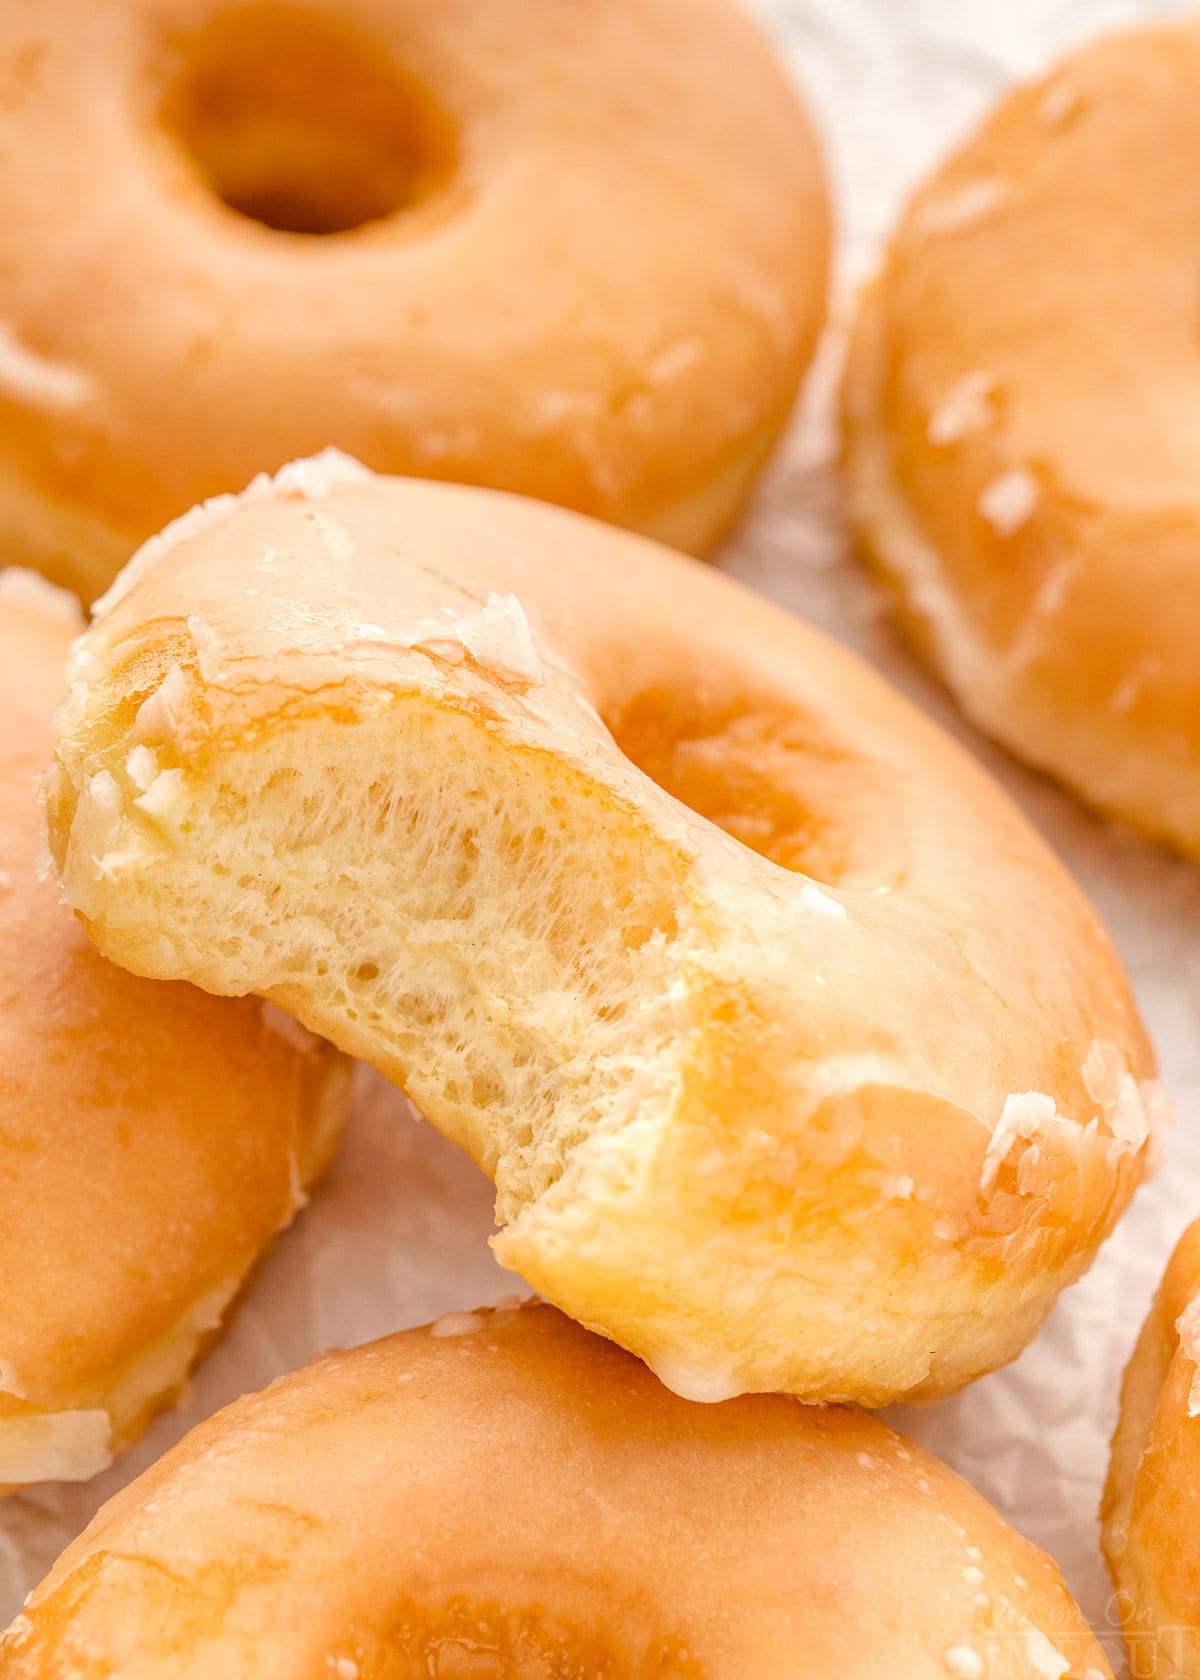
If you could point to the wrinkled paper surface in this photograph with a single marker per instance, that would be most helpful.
(398, 1233)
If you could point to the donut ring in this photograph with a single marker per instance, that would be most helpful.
(1019, 425)
(708, 948)
(580, 256)
(1151, 1519)
(502, 1494)
(153, 1139)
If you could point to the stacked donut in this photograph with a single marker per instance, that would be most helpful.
(802, 1068)
(583, 259)
(153, 1139)
(1018, 411)
(1150, 1517)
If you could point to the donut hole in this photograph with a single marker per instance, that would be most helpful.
(519, 1632)
(297, 122)
(770, 778)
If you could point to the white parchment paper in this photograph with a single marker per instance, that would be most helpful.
(398, 1232)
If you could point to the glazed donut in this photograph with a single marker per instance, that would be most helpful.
(152, 1139)
(502, 1494)
(1151, 1513)
(578, 253)
(1020, 423)
(798, 1062)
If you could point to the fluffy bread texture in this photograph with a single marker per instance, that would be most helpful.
(601, 286)
(797, 1060)
(1151, 1515)
(152, 1139)
(503, 1494)
(1020, 426)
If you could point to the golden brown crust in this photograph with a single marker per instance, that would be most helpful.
(843, 1132)
(604, 294)
(1019, 429)
(1151, 1515)
(152, 1139)
(502, 1494)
